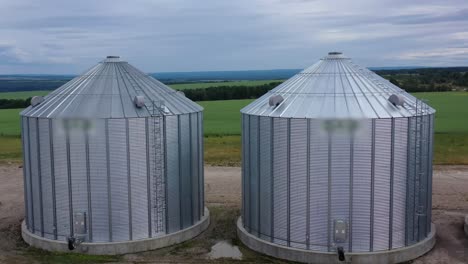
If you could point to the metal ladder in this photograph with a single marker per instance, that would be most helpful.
(420, 155)
(159, 203)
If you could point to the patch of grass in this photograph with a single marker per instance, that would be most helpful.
(223, 117)
(10, 122)
(10, 148)
(452, 110)
(451, 148)
(55, 257)
(223, 150)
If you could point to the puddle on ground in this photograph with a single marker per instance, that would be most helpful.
(224, 249)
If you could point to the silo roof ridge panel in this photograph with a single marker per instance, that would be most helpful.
(361, 92)
(108, 89)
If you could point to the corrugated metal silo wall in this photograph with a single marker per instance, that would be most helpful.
(110, 171)
(297, 180)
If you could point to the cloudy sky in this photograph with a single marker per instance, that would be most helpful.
(204, 35)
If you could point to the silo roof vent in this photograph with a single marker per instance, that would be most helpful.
(396, 100)
(275, 100)
(139, 101)
(113, 57)
(335, 53)
(35, 100)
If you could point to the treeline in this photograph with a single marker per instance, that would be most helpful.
(30, 85)
(428, 79)
(14, 103)
(199, 94)
(229, 92)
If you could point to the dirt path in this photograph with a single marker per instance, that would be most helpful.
(223, 196)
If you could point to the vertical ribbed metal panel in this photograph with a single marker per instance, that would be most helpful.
(298, 183)
(246, 171)
(362, 188)
(318, 186)
(61, 179)
(411, 198)
(98, 179)
(195, 172)
(185, 171)
(253, 174)
(118, 179)
(27, 173)
(78, 168)
(340, 175)
(172, 152)
(280, 171)
(138, 172)
(424, 171)
(381, 199)
(265, 163)
(430, 158)
(35, 174)
(47, 199)
(201, 163)
(399, 182)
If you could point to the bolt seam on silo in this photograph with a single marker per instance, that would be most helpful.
(165, 165)
(52, 175)
(272, 184)
(25, 187)
(308, 187)
(407, 204)
(39, 168)
(200, 205)
(129, 182)
(250, 175)
(351, 190)
(70, 190)
(288, 185)
(392, 176)
(148, 177)
(329, 181)
(88, 188)
(371, 239)
(191, 171)
(30, 177)
(258, 177)
(181, 223)
(109, 201)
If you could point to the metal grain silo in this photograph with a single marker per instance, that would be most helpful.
(337, 161)
(113, 163)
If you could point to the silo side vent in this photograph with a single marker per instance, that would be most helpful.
(139, 101)
(275, 100)
(35, 100)
(396, 100)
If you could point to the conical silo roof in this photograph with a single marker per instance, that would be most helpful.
(108, 90)
(335, 87)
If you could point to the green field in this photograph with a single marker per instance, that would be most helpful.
(222, 129)
(182, 86)
(22, 95)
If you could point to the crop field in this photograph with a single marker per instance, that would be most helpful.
(222, 129)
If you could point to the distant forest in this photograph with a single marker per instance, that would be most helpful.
(428, 79)
(411, 80)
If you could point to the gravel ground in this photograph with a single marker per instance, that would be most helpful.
(223, 189)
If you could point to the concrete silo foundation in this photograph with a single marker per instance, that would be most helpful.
(117, 248)
(307, 256)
